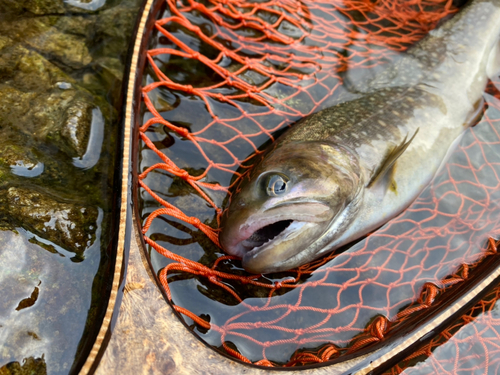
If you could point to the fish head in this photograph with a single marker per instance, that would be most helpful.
(286, 203)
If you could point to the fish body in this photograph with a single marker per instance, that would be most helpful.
(342, 172)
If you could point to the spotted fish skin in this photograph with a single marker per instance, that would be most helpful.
(346, 170)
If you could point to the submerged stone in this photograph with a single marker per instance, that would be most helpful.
(42, 35)
(76, 125)
(30, 366)
(68, 225)
(41, 101)
(41, 7)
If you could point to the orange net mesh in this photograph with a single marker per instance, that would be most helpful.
(222, 77)
(468, 345)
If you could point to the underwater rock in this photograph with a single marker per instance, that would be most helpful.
(41, 35)
(39, 100)
(68, 225)
(76, 125)
(31, 366)
(41, 7)
(18, 160)
(27, 70)
(10, 6)
(115, 24)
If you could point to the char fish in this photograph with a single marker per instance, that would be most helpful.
(342, 172)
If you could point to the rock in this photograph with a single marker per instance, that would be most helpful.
(41, 101)
(112, 27)
(41, 34)
(31, 366)
(76, 126)
(19, 161)
(11, 6)
(83, 26)
(68, 225)
(27, 70)
(42, 7)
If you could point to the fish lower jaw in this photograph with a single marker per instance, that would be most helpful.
(258, 236)
(275, 232)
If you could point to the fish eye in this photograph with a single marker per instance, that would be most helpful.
(276, 185)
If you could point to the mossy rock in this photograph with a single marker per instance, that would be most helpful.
(66, 224)
(30, 366)
(41, 34)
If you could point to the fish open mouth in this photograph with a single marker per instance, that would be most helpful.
(267, 238)
(265, 234)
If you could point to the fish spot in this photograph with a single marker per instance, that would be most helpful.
(355, 135)
(382, 123)
(396, 113)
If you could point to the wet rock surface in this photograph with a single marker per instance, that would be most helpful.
(61, 70)
(29, 366)
(69, 225)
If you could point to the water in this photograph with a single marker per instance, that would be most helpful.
(61, 69)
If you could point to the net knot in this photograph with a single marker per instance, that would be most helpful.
(214, 279)
(196, 55)
(379, 327)
(428, 295)
(183, 174)
(493, 244)
(195, 221)
(189, 89)
(183, 132)
(278, 284)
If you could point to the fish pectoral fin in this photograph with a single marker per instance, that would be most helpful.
(390, 159)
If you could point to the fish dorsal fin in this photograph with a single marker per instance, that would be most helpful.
(390, 159)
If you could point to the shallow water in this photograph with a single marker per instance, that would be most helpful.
(61, 69)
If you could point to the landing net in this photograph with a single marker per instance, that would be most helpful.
(223, 77)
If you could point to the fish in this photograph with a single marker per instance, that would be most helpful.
(340, 173)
